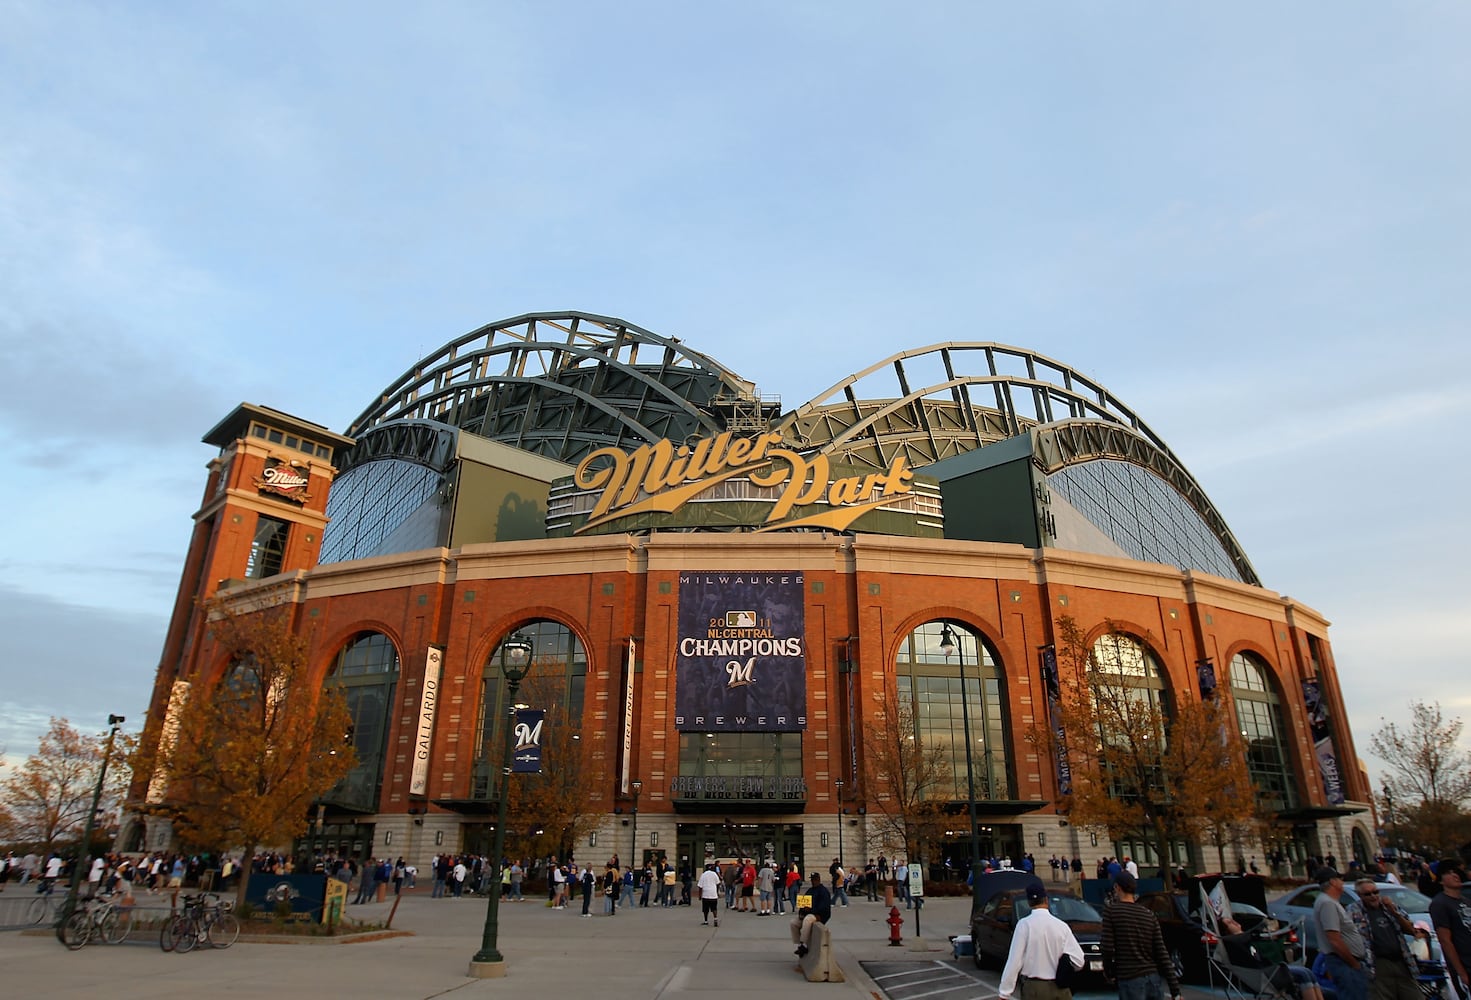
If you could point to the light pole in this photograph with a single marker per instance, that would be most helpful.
(70, 904)
(839, 785)
(948, 645)
(1388, 817)
(488, 962)
(633, 848)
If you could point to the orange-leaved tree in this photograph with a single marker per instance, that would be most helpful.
(1163, 766)
(550, 811)
(242, 759)
(907, 783)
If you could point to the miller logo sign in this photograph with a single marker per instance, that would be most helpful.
(662, 477)
(284, 480)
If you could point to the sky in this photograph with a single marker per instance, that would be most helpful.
(1249, 221)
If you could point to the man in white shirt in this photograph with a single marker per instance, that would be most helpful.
(94, 877)
(1131, 867)
(1039, 941)
(710, 892)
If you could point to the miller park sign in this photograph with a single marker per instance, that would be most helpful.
(662, 477)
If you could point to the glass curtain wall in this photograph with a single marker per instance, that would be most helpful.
(929, 683)
(1259, 716)
(555, 681)
(367, 670)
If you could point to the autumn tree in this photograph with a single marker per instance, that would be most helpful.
(242, 760)
(908, 783)
(550, 811)
(1428, 779)
(1143, 766)
(47, 797)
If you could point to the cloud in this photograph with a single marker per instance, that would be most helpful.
(71, 660)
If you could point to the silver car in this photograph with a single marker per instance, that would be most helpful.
(1297, 907)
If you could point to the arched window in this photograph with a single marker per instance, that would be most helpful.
(1128, 688)
(929, 683)
(367, 671)
(1259, 716)
(555, 681)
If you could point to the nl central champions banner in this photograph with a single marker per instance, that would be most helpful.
(741, 663)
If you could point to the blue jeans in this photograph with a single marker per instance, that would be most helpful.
(1150, 987)
(1348, 983)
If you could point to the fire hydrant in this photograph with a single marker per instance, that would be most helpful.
(895, 921)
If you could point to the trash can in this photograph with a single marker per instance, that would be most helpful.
(207, 879)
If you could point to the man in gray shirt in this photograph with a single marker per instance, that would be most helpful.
(1338, 939)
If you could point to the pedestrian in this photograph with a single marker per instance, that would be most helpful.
(709, 889)
(626, 899)
(365, 884)
(1134, 952)
(840, 882)
(1038, 944)
(518, 875)
(612, 879)
(765, 884)
(1338, 939)
(1450, 912)
(1387, 960)
(818, 909)
(748, 887)
(587, 881)
(459, 873)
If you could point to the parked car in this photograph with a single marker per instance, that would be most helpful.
(993, 924)
(1297, 907)
(1184, 932)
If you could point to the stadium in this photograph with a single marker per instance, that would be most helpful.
(720, 599)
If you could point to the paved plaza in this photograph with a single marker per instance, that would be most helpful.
(550, 953)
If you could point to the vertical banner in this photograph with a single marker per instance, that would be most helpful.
(428, 706)
(741, 662)
(526, 755)
(1053, 687)
(628, 717)
(1205, 675)
(1312, 697)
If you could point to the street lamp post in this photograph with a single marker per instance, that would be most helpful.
(633, 848)
(839, 785)
(948, 645)
(488, 962)
(70, 904)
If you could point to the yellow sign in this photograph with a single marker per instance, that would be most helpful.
(669, 476)
(335, 902)
(804, 901)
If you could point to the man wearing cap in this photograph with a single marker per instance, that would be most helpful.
(1450, 912)
(1134, 952)
(1038, 943)
(1390, 966)
(819, 910)
(1339, 940)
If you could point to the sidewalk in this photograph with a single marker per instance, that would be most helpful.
(638, 953)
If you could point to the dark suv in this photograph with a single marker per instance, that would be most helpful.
(992, 926)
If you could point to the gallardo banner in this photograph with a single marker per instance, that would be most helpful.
(741, 665)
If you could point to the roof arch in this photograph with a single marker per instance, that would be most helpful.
(936, 402)
(562, 384)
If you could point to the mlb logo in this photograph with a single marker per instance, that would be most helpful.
(740, 619)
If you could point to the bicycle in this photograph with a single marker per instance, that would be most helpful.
(204, 918)
(102, 919)
(45, 908)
